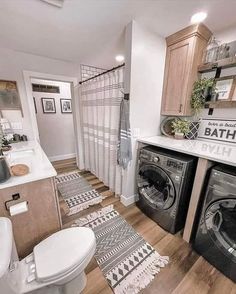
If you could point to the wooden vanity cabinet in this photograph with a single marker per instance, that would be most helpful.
(43, 215)
(184, 54)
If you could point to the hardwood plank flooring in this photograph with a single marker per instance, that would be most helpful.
(66, 165)
(187, 272)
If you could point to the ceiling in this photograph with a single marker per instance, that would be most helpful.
(92, 31)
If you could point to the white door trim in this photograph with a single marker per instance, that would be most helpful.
(28, 75)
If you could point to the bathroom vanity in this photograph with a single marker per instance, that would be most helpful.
(37, 188)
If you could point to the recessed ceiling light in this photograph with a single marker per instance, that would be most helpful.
(198, 17)
(120, 58)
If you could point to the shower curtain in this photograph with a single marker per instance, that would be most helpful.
(100, 103)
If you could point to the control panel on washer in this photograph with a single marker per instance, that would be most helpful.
(167, 162)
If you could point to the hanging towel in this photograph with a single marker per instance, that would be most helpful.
(124, 152)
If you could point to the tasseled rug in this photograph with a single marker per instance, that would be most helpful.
(127, 261)
(77, 192)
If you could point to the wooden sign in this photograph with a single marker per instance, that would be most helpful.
(218, 130)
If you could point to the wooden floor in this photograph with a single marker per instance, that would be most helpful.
(187, 272)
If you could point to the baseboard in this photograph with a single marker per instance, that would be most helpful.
(61, 157)
(126, 201)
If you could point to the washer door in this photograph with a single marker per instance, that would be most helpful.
(220, 221)
(156, 187)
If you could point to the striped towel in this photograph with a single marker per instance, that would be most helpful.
(124, 152)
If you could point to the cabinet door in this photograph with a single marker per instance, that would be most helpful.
(179, 60)
(42, 218)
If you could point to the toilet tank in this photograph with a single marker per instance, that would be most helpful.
(6, 244)
(8, 254)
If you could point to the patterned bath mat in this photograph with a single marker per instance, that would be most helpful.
(77, 192)
(127, 261)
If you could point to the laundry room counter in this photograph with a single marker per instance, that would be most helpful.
(214, 151)
(208, 153)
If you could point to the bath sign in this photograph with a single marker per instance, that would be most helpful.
(218, 130)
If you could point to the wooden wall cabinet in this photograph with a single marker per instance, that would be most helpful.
(183, 56)
(42, 218)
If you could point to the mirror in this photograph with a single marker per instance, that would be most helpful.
(9, 96)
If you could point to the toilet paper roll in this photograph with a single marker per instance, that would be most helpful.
(18, 208)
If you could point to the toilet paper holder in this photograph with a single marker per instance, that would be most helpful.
(14, 198)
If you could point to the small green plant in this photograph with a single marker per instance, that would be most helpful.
(180, 126)
(200, 89)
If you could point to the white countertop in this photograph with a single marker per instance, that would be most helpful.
(31, 154)
(215, 151)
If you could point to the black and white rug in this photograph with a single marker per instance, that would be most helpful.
(127, 261)
(77, 192)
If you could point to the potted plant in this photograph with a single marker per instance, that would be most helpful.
(180, 128)
(4, 169)
(203, 91)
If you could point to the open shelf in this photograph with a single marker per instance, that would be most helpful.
(223, 63)
(221, 104)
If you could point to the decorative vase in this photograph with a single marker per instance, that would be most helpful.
(207, 94)
(4, 170)
(193, 130)
(211, 52)
(179, 136)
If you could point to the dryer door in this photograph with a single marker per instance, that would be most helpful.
(220, 221)
(156, 186)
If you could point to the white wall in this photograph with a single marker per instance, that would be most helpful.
(56, 131)
(144, 71)
(12, 64)
(226, 36)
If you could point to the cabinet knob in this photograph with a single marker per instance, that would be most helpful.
(180, 107)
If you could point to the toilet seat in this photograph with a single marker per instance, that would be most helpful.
(62, 253)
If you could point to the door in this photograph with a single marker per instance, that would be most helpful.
(179, 58)
(156, 187)
(220, 222)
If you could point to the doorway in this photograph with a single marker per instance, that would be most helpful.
(53, 110)
(63, 109)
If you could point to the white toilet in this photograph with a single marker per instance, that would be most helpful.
(56, 265)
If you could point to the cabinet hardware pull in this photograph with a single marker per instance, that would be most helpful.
(180, 108)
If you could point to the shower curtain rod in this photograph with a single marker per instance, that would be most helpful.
(103, 73)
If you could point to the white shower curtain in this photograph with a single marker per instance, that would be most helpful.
(100, 103)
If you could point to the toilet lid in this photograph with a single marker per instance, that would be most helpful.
(62, 252)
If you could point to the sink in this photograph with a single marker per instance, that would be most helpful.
(21, 154)
(21, 157)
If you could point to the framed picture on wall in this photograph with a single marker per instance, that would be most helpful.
(66, 106)
(225, 87)
(48, 105)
